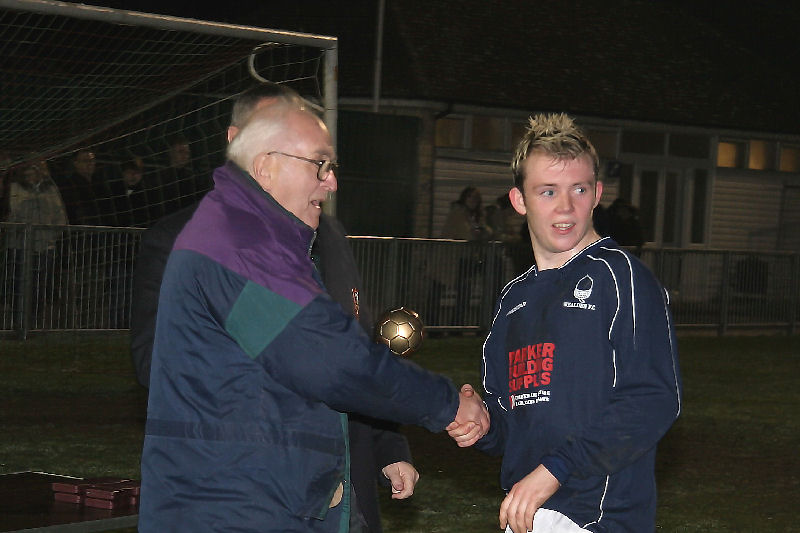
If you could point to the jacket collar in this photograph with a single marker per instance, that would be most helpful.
(239, 186)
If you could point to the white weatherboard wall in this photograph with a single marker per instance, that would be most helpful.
(745, 213)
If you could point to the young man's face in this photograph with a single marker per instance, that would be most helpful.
(557, 200)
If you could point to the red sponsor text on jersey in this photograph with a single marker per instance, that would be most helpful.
(530, 366)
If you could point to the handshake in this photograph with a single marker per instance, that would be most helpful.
(472, 418)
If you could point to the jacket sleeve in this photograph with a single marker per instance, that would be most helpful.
(322, 354)
(646, 397)
(493, 443)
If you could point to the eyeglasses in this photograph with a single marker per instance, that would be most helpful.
(323, 165)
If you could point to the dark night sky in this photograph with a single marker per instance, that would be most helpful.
(768, 27)
(233, 12)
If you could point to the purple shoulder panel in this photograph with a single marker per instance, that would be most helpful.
(244, 230)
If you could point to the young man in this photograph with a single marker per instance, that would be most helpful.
(580, 366)
(254, 363)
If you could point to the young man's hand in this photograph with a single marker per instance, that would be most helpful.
(525, 498)
(472, 418)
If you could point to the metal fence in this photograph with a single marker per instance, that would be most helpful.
(66, 277)
(80, 278)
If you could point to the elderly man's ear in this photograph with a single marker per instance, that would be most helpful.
(263, 170)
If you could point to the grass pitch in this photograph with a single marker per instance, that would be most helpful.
(71, 405)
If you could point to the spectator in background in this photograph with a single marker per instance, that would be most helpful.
(179, 183)
(128, 203)
(34, 199)
(600, 220)
(466, 221)
(510, 228)
(505, 222)
(130, 196)
(624, 225)
(466, 218)
(79, 190)
(5, 183)
(83, 193)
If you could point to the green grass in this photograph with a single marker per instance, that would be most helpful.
(71, 405)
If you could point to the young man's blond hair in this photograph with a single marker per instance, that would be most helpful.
(556, 135)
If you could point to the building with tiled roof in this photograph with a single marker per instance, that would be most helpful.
(692, 103)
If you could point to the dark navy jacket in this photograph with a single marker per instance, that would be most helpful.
(581, 374)
(252, 360)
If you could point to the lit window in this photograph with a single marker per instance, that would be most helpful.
(790, 159)
(761, 155)
(730, 154)
(450, 132)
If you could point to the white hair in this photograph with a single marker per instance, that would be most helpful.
(257, 133)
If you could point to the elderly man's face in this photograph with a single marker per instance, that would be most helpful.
(293, 182)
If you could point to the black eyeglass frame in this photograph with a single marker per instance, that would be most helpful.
(323, 165)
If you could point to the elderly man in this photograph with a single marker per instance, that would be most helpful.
(378, 451)
(253, 360)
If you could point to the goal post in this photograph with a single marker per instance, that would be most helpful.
(128, 87)
(125, 84)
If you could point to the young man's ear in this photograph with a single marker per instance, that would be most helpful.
(517, 200)
(598, 192)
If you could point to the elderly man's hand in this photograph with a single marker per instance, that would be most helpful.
(472, 418)
(403, 477)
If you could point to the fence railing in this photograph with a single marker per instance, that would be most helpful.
(80, 278)
(66, 277)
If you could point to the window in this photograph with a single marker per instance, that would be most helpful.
(643, 142)
(605, 142)
(696, 146)
(699, 194)
(450, 132)
(648, 204)
(761, 155)
(730, 154)
(487, 133)
(672, 204)
(518, 130)
(790, 159)
(626, 182)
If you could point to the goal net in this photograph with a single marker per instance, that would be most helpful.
(141, 100)
(134, 87)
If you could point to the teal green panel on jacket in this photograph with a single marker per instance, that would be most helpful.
(258, 316)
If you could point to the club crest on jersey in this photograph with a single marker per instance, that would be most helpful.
(582, 292)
